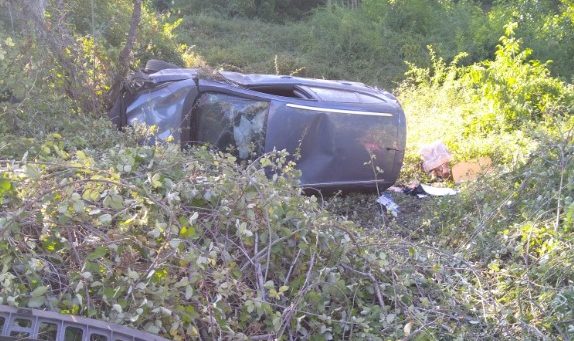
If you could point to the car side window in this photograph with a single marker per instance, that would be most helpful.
(231, 123)
(334, 95)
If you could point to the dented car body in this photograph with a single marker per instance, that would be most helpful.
(348, 136)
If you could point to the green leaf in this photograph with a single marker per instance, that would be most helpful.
(99, 252)
(91, 195)
(5, 185)
(156, 180)
(187, 232)
(105, 219)
(36, 302)
(39, 291)
(188, 292)
(114, 201)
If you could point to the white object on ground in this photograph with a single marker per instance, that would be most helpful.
(437, 191)
(389, 204)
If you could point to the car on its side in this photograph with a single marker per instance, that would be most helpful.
(348, 136)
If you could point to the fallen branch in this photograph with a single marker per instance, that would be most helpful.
(375, 283)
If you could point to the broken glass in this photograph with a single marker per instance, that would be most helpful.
(232, 123)
(163, 107)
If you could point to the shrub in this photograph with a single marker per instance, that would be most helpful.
(519, 225)
(191, 245)
(488, 108)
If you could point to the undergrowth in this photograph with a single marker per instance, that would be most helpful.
(493, 108)
(192, 245)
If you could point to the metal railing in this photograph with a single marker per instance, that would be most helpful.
(32, 325)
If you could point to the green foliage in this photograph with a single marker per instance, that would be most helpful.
(547, 27)
(519, 90)
(519, 226)
(7, 53)
(487, 108)
(231, 43)
(107, 22)
(191, 245)
(368, 44)
(372, 42)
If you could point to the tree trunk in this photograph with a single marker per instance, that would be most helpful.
(125, 55)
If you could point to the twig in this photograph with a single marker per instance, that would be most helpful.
(351, 314)
(264, 250)
(269, 240)
(370, 276)
(291, 268)
(258, 272)
(558, 199)
(532, 329)
(290, 310)
(306, 312)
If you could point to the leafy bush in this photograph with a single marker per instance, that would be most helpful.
(519, 90)
(269, 10)
(546, 26)
(371, 43)
(488, 108)
(520, 226)
(193, 245)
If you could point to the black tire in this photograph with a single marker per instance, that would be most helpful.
(155, 65)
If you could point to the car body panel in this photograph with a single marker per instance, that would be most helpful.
(335, 149)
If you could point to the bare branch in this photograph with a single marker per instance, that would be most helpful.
(258, 270)
(61, 44)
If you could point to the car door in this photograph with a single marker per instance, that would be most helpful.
(345, 147)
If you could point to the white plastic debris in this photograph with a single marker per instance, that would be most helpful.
(437, 191)
(389, 204)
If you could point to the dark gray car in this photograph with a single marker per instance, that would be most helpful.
(349, 136)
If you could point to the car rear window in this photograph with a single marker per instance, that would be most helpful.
(231, 123)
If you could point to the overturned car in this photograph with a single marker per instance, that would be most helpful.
(348, 136)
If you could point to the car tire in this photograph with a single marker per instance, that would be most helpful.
(155, 65)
